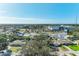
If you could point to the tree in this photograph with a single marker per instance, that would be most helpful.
(3, 38)
(3, 42)
(37, 46)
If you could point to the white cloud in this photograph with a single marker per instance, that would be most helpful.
(15, 20)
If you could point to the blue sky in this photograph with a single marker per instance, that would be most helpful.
(39, 13)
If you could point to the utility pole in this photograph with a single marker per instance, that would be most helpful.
(76, 23)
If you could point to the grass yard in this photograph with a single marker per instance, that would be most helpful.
(74, 47)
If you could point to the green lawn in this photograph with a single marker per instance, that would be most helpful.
(74, 47)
